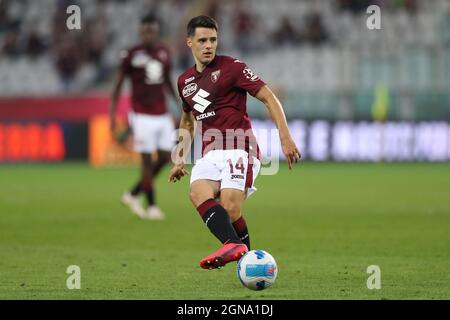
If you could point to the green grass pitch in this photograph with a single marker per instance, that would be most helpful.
(324, 224)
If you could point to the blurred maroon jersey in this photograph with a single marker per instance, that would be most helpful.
(148, 68)
(218, 98)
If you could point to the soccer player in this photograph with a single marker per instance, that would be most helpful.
(213, 92)
(148, 66)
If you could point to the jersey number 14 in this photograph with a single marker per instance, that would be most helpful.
(239, 165)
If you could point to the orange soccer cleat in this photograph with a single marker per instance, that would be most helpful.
(227, 253)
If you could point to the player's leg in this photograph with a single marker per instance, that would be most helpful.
(165, 142)
(146, 168)
(238, 177)
(147, 178)
(133, 125)
(217, 219)
(205, 188)
(131, 198)
(163, 159)
(136, 189)
(203, 194)
(148, 186)
(162, 130)
(145, 143)
(232, 200)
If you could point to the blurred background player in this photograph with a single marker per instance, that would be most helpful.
(148, 66)
(214, 92)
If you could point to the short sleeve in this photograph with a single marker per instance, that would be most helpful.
(125, 61)
(184, 104)
(246, 79)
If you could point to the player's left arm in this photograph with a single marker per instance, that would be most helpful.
(186, 136)
(273, 104)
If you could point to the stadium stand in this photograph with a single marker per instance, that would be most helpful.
(328, 68)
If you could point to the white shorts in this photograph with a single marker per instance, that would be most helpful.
(230, 167)
(152, 132)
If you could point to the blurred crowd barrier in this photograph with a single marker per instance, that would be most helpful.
(319, 55)
(54, 129)
(30, 131)
(350, 93)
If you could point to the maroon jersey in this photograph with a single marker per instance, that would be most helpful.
(147, 68)
(217, 97)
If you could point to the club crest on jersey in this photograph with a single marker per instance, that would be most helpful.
(215, 76)
(189, 89)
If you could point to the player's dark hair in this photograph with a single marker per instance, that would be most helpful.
(150, 19)
(201, 22)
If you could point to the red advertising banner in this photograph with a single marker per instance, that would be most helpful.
(104, 150)
(31, 142)
(53, 129)
(70, 108)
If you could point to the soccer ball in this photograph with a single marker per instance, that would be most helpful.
(257, 270)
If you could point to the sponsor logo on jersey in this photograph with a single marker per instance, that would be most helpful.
(248, 73)
(189, 89)
(215, 76)
(201, 103)
(205, 115)
(186, 81)
(237, 176)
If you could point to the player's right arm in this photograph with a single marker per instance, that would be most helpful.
(117, 88)
(122, 72)
(185, 138)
